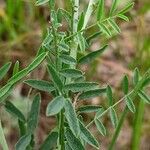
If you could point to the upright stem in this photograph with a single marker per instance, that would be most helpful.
(74, 44)
(2, 138)
(61, 130)
(137, 125)
(117, 131)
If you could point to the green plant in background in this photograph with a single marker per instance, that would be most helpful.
(64, 52)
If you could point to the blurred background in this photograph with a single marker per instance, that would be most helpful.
(22, 28)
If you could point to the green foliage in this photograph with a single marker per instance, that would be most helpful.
(50, 141)
(64, 52)
(125, 85)
(23, 142)
(101, 128)
(55, 106)
(71, 73)
(73, 142)
(130, 104)
(33, 117)
(91, 56)
(81, 87)
(40, 85)
(13, 110)
(92, 93)
(72, 118)
(55, 77)
(88, 137)
(113, 117)
(4, 69)
(88, 108)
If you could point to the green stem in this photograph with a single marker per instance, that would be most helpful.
(74, 44)
(137, 125)
(2, 138)
(61, 130)
(118, 129)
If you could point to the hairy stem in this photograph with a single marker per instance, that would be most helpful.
(2, 138)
